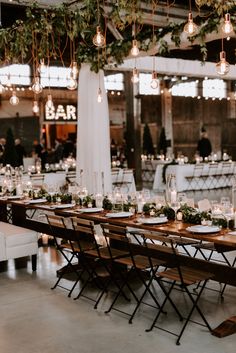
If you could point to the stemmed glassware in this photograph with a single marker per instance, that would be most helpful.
(227, 209)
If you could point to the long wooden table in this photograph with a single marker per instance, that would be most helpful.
(222, 240)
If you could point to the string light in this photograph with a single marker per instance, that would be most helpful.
(154, 82)
(72, 84)
(135, 49)
(227, 25)
(99, 39)
(37, 87)
(135, 77)
(14, 100)
(49, 103)
(35, 108)
(222, 67)
(190, 28)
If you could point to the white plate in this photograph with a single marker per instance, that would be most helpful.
(36, 201)
(203, 229)
(119, 215)
(16, 197)
(63, 205)
(91, 209)
(154, 220)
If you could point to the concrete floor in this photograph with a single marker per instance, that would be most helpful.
(35, 319)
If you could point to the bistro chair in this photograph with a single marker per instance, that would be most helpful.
(176, 274)
(134, 264)
(37, 180)
(65, 242)
(95, 260)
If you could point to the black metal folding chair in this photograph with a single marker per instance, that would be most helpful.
(134, 263)
(182, 275)
(67, 248)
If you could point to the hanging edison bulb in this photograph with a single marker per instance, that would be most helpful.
(42, 67)
(49, 102)
(190, 28)
(72, 83)
(227, 25)
(135, 77)
(74, 69)
(14, 100)
(37, 87)
(222, 67)
(154, 82)
(35, 108)
(99, 97)
(99, 39)
(135, 49)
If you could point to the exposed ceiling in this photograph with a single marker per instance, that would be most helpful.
(177, 12)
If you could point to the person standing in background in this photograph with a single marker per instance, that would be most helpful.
(2, 149)
(204, 144)
(20, 150)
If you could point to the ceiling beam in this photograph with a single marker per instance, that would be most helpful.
(176, 67)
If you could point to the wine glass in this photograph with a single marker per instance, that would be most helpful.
(175, 206)
(228, 212)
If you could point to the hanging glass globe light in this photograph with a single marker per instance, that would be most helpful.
(227, 25)
(37, 87)
(35, 108)
(99, 39)
(135, 49)
(154, 82)
(135, 77)
(190, 28)
(222, 67)
(14, 100)
(49, 103)
(72, 83)
(99, 97)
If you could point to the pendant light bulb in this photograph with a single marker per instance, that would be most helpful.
(49, 103)
(135, 49)
(37, 87)
(135, 77)
(99, 39)
(35, 108)
(74, 69)
(222, 67)
(154, 82)
(72, 83)
(42, 67)
(227, 25)
(190, 28)
(14, 100)
(99, 97)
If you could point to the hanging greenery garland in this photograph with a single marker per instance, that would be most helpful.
(46, 33)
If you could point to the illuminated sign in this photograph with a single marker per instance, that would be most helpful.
(60, 113)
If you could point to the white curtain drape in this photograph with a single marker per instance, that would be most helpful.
(93, 134)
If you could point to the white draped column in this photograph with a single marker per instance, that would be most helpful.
(93, 134)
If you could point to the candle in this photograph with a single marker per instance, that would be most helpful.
(45, 239)
(173, 196)
(179, 216)
(152, 213)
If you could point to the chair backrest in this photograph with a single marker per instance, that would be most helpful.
(164, 245)
(127, 176)
(114, 235)
(198, 169)
(71, 176)
(84, 230)
(58, 228)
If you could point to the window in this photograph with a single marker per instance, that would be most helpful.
(114, 82)
(185, 89)
(145, 85)
(15, 75)
(214, 88)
